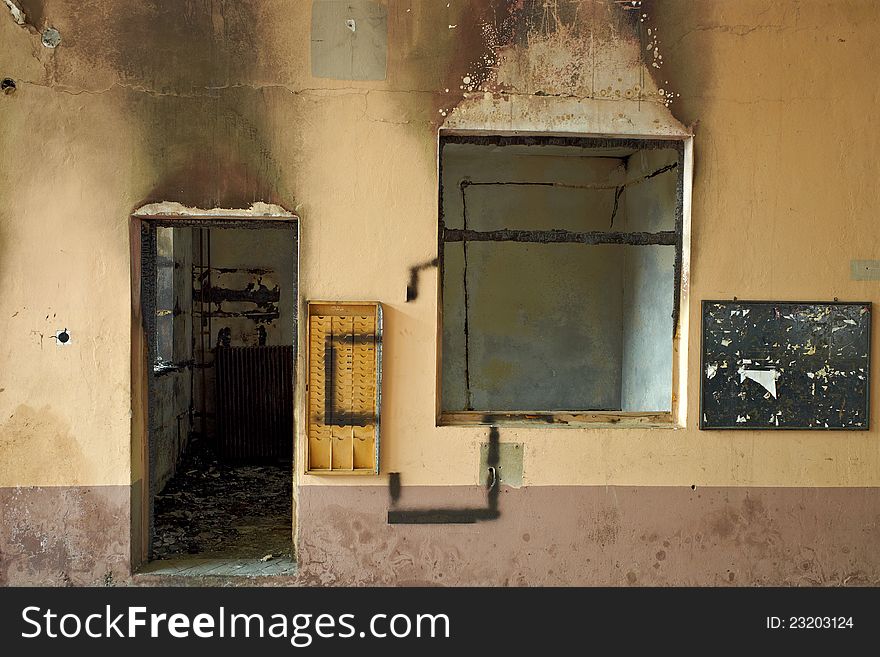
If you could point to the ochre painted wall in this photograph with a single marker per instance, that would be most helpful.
(218, 108)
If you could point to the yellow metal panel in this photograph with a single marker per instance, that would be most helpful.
(344, 387)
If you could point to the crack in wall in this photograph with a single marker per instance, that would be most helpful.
(551, 183)
(316, 91)
(467, 353)
(593, 237)
(617, 194)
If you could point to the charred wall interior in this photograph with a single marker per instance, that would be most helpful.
(225, 291)
(243, 288)
(173, 419)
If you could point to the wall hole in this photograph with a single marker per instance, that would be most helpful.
(50, 37)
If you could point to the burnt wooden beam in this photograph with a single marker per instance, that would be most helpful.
(664, 238)
(618, 188)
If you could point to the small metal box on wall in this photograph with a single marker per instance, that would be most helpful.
(344, 388)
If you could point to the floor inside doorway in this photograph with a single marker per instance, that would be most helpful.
(224, 518)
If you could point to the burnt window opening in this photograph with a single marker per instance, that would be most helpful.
(560, 269)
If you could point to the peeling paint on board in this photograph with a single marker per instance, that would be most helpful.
(783, 365)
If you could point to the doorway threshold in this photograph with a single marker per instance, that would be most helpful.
(220, 567)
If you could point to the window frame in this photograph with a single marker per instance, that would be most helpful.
(160, 364)
(676, 416)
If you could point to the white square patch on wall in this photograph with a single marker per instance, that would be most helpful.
(349, 39)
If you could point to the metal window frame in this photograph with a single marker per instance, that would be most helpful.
(163, 365)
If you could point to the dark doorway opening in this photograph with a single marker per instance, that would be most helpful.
(219, 301)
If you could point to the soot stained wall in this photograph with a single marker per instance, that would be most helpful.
(213, 104)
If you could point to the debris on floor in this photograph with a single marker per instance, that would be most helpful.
(211, 508)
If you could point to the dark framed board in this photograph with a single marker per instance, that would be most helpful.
(785, 365)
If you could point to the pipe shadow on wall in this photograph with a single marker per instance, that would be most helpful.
(447, 515)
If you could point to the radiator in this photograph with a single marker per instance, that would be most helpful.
(255, 403)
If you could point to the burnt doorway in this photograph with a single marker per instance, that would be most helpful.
(219, 306)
